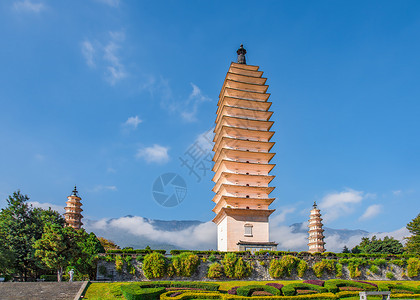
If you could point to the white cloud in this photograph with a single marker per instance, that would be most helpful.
(190, 108)
(281, 217)
(88, 52)
(371, 211)
(397, 193)
(47, 205)
(335, 205)
(335, 244)
(287, 239)
(202, 236)
(133, 122)
(28, 6)
(154, 154)
(106, 55)
(100, 188)
(116, 70)
(112, 3)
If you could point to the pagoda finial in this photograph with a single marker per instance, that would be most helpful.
(75, 193)
(241, 55)
(314, 204)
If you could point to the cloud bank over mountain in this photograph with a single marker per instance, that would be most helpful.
(139, 232)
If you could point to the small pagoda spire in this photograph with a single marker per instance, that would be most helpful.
(316, 236)
(75, 193)
(241, 55)
(73, 215)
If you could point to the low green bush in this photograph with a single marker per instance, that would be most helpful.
(215, 270)
(390, 275)
(338, 270)
(283, 267)
(380, 262)
(374, 269)
(235, 267)
(185, 264)
(136, 292)
(413, 267)
(301, 268)
(247, 290)
(290, 289)
(333, 285)
(119, 263)
(399, 262)
(327, 265)
(135, 251)
(353, 265)
(395, 288)
(154, 265)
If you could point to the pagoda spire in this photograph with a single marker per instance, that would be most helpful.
(316, 236)
(241, 55)
(73, 216)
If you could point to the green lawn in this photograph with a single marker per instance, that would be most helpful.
(106, 290)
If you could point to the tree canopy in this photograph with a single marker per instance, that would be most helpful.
(413, 241)
(373, 245)
(34, 241)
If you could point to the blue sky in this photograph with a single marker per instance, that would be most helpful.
(109, 94)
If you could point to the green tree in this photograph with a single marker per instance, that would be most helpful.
(388, 245)
(345, 250)
(17, 232)
(56, 247)
(88, 246)
(20, 226)
(413, 241)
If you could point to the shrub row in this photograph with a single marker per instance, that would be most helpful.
(135, 251)
(332, 254)
(290, 289)
(176, 252)
(247, 291)
(136, 292)
(155, 265)
(333, 285)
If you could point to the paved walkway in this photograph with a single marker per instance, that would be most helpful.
(39, 290)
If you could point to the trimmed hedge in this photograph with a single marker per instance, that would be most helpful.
(290, 289)
(333, 285)
(247, 290)
(177, 252)
(135, 251)
(203, 295)
(395, 287)
(136, 292)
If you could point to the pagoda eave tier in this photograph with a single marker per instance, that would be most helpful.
(236, 188)
(242, 112)
(243, 103)
(243, 123)
(231, 202)
(246, 78)
(233, 177)
(226, 211)
(242, 156)
(245, 72)
(251, 168)
(242, 133)
(245, 95)
(245, 86)
(236, 144)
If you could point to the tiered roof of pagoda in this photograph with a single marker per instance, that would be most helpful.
(242, 145)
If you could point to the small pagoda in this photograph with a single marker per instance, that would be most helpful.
(73, 209)
(316, 236)
(242, 160)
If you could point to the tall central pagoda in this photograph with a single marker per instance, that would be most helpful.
(242, 160)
